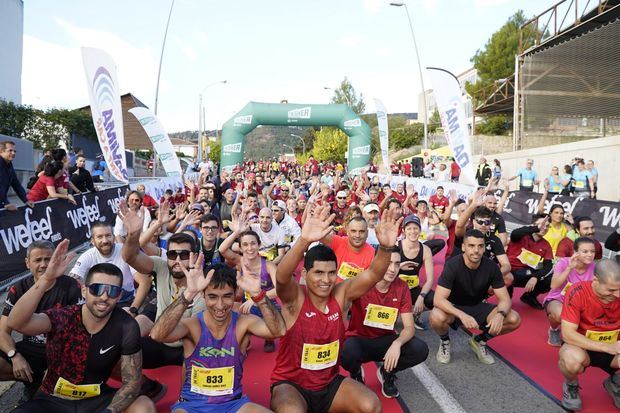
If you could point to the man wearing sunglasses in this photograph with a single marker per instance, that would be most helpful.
(222, 331)
(84, 343)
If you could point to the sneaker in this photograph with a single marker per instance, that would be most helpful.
(153, 389)
(270, 346)
(570, 396)
(443, 353)
(388, 385)
(531, 300)
(358, 375)
(481, 351)
(554, 337)
(613, 389)
(419, 324)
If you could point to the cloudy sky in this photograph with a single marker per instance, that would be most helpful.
(267, 50)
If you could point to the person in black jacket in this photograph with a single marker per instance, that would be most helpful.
(612, 242)
(483, 172)
(80, 177)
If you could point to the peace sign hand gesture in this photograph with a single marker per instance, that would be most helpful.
(318, 223)
(59, 262)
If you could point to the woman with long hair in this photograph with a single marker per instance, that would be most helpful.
(45, 187)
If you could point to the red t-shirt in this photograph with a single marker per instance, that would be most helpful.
(148, 201)
(541, 248)
(351, 263)
(584, 308)
(566, 249)
(407, 168)
(439, 204)
(62, 181)
(39, 189)
(455, 170)
(340, 213)
(400, 197)
(397, 296)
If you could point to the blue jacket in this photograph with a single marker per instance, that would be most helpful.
(8, 178)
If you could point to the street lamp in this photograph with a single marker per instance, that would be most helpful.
(302, 142)
(201, 117)
(343, 94)
(161, 58)
(415, 45)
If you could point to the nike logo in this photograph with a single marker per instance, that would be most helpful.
(310, 314)
(102, 351)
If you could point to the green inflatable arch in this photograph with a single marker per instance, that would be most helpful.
(254, 114)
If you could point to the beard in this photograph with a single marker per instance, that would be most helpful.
(177, 274)
(98, 313)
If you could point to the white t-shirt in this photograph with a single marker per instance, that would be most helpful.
(291, 229)
(270, 241)
(92, 256)
(119, 228)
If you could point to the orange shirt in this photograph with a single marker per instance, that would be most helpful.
(351, 263)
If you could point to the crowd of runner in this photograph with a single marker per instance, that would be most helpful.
(330, 270)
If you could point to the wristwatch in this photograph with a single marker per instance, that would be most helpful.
(502, 312)
(11, 354)
(133, 310)
(423, 295)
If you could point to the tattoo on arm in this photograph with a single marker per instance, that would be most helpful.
(169, 319)
(131, 373)
(272, 317)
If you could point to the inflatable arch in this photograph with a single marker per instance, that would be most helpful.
(286, 114)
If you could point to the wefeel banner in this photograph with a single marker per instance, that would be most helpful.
(105, 106)
(425, 187)
(447, 93)
(53, 220)
(382, 123)
(160, 140)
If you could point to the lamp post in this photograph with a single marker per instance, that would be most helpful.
(415, 46)
(303, 143)
(343, 94)
(161, 58)
(201, 116)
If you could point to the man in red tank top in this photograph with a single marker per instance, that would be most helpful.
(305, 377)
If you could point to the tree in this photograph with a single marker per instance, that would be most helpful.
(214, 150)
(497, 59)
(330, 144)
(346, 94)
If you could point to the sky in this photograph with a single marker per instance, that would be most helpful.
(266, 50)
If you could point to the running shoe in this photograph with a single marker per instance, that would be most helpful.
(388, 385)
(419, 324)
(481, 351)
(554, 337)
(443, 353)
(270, 346)
(613, 389)
(570, 396)
(358, 375)
(531, 300)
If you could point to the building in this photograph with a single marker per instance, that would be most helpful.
(12, 35)
(187, 148)
(135, 137)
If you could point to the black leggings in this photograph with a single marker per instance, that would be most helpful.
(521, 278)
(435, 245)
(428, 300)
(359, 350)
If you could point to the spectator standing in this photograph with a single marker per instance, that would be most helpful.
(555, 183)
(497, 170)
(8, 177)
(484, 172)
(567, 177)
(583, 183)
(594, 174)
(455, 171)
(528, 177)
(147, 200)
(80, 177)
(98, 168)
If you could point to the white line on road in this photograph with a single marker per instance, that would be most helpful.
(444, 399)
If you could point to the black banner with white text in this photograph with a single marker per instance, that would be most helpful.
(53, 220)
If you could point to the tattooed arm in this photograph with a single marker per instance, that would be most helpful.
(131, 372)
(272, 324)
(169, 327)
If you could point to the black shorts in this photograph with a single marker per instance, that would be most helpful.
(155, 354)
(34, 355)
(601, 360)
(318, 401)
(43, 402)
(479, 312)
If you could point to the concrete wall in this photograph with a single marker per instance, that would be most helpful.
(605, 152)
(11, 36)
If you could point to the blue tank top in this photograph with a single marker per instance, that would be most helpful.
(213, 371)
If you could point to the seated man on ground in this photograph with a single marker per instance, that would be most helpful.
(84, 344)
(460, 299)
(590, 327)
(567, 271)
(215, 341)
(371, 336)
(305, 377)
(582, 227)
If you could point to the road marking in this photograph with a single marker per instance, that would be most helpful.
(442, 397)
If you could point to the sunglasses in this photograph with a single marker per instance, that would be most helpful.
(342, 197)
(483, 221)
(253, 217)
(98, 290)
(173, 254)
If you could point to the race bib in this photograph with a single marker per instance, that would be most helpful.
(604, 336)
(422, 236)
(319, 356)
(348, 270)
(380, 316)
(288, 238)
(565, 289)
(67, 390)
(529, 258)
(556, 188)
(412, 280)
(527, 183)
(580, 184)
(212, 382)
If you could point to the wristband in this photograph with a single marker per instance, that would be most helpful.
(133, 310)
(502, 312)
(184, 300)
(259, 297)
